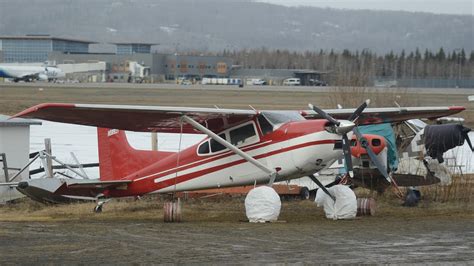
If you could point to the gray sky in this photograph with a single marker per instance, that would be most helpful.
(464, 7)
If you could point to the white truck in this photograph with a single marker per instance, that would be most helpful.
(138, 72)
(221, 81)
(256, 82)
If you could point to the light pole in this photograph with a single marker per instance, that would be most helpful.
(458, 80)
(176, 62)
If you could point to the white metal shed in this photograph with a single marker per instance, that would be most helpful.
(15, 144)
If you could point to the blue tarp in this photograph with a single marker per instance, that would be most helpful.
(386, 131)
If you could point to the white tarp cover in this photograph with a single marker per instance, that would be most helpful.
(345, 206)
(262, 204)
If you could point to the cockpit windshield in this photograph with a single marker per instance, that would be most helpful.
(280, 117)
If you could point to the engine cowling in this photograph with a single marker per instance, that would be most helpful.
(376, 142)
(43, 77)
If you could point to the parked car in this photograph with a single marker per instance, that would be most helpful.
(292, 82)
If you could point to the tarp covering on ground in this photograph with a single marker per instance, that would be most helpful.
(262, 204)
(345, 206)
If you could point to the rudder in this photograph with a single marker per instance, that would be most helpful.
(117, 159)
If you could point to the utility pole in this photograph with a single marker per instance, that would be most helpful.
(458, 80)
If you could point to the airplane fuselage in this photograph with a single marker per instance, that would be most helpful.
(29, 73)
(295, 149)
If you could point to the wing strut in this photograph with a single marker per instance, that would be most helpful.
(250, 159)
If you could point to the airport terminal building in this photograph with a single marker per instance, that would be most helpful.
(134, 62)
(161, 66)
(157, 67)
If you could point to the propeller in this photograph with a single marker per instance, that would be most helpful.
(345, 126)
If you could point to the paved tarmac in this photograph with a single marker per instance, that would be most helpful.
(466, 91)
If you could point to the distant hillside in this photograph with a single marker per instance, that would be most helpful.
(214, 25)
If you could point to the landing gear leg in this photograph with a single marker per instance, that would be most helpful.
(320, 185)
(100, 204)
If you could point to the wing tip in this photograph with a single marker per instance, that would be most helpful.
(457, 108)
(37, 107)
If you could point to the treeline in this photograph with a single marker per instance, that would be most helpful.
(362, 67)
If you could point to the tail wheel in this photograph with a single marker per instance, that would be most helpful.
(98, 209)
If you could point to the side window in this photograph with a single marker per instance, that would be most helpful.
(216, 146)
(265, 126)
(204, 148)
(242, 134)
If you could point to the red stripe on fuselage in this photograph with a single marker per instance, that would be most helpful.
(146, 186)
(206, 160)
(192, 175)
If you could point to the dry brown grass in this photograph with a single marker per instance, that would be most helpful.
(218, 210)
(460, 190)
(354, 96)
(459, 195)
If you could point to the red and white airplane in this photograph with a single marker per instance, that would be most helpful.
(243, 147)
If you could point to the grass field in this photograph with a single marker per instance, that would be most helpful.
(15, 98)
(438, 230)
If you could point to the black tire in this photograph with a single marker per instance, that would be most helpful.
(304, 193)
(98, 209)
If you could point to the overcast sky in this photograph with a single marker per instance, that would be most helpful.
(464, 7)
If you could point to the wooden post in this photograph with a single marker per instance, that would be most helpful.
(3, 157)
(172, 211)
(49, 161)
(154, 141)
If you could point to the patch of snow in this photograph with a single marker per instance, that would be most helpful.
(82, 140)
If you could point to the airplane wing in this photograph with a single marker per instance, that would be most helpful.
(9, 184)
(32, 75)
(168, 119)
(88, 183)
(368, 177)
(53, 189)
(81, 187)
(388, 115)
(139, 118)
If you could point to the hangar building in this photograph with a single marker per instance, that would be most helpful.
(161, 66)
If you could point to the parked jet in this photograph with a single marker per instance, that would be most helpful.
(243, 147)
(30, 73)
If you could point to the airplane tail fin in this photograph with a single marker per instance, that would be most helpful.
(118, 159)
